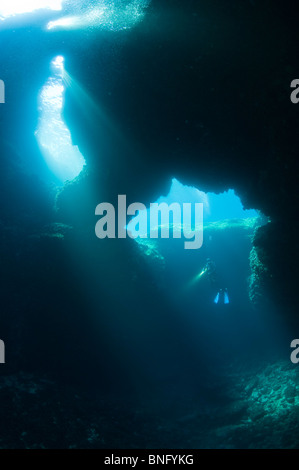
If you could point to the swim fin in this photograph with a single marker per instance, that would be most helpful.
(226, 298)
(216, 300)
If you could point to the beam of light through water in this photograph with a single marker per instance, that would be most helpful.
(191, 284)
(18, 7)
(90, 18)
(91, 109)
(198, 277)
(54, 138)
(87, 104)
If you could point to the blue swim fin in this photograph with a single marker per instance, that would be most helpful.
(226, 298)
(216, 300)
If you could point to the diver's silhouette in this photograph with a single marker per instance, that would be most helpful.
(222, 294)
(210, 269)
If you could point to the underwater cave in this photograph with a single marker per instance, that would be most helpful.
(135, 342)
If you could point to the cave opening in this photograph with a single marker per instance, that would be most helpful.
(19, 7)
(214, 290)
(54, 138)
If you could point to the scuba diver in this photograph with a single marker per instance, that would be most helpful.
(210, 269)
(222, 294)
